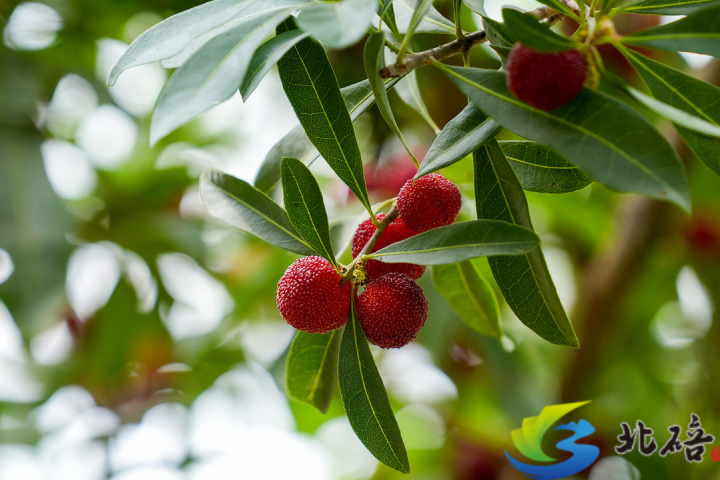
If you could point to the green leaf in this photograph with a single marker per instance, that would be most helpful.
(310, 85)
(542, 169)
(170, 36)
(305, 207)
(477, 6)
(524, 280)
(421, 9)
(432, 21)
(560, 7)
(374, 62)
(366, 401)
(463, 134)
(699, 32)
(688, 94)
(358, 98)
(458, 242)
(470, 295)
(266, 57)
(311, 368)
(498, 33)
(527, 28)
(679, 117)
(669, 7)
(607, 139)
(338, 24)
(242, 206)
(409, 91)
(211, 76)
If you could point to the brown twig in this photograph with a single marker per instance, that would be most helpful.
(414, 60)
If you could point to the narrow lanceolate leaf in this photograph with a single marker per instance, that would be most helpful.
(338, 24)
(211, 76)
(305, 207)
(266, 57)
(257, 8)
(432, 21)
(460, 241)
(669, 7)
(358, 98)
(607, 139)
(311, 368)
(498, 33)
(421, 9)
(463, 134)
(374, 62)
(560, 7)
(409, 91)
(366, 402)
(242, 206)
(527, 28)
(699, 32)
(679, 117)
(524, 280)
(470, 295)
(310, 85)
(170, 36)
(688, 94)
(542, 169)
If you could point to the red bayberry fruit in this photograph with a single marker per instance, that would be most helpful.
(394, 232)
(392, 310)
(433, 201)
(310, 297)
(545, 80)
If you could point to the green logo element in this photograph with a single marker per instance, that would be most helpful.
(528, 439)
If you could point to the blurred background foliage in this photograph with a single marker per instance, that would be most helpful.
(139, 338)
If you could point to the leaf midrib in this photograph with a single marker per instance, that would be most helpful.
(665, 5)
(329, 256)
(316, 382)
(466, 285)
(539, 166)
(586, 132)
(364, 200)
(454, 247)
(239, 200)
(673, 89)
(362, 381)
(526, 255)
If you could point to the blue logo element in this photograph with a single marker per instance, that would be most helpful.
(528, 441)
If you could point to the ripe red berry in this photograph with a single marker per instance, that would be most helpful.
(394, 232)
(310, 297)
(545, 80)
(392, 310)
(433, 201)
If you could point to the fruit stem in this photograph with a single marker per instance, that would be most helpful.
(380, 228)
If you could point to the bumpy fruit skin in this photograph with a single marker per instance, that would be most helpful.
(310, 297)
(545, 80)
(394, 232)
(392, 310)
(434, 201)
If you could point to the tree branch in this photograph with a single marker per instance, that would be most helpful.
(472, 40)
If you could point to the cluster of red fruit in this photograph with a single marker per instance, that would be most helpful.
(392, 309)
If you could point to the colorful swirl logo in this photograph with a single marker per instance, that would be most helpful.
(528, 440)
